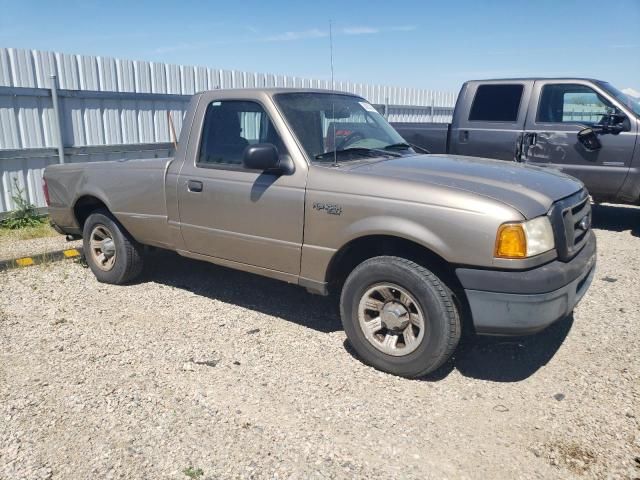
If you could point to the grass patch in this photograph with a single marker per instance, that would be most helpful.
(24, 213)
(194, 473)
(41, 230)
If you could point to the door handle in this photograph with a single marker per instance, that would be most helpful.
(194, 186)
(464, 136)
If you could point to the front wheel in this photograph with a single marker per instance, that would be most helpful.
(111, 253)
(399, 317)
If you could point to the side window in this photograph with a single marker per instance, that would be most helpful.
(566, 103)
(229, 127)
(496, 103)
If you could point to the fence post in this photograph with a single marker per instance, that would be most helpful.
(432, 108)
(57, 119)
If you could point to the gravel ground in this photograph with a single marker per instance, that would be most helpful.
(10, 249)
(242, 377)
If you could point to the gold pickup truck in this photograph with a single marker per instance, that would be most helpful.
(315, 188)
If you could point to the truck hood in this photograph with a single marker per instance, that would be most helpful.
(530, 190)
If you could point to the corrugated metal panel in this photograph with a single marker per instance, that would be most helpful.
(126, 76)
(158, 78)
(5, 72)
(67, 70)
(89, 79)
(21, 65)
(32, 68)
(9, 133)
(108, 74)
(173, 79)
(142, 73)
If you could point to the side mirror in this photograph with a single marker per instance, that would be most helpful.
(589, 139)
(265, 157)
(614, 123)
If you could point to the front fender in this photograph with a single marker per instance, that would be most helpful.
(316, 260)
(397, 227)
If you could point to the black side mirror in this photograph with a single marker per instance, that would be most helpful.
(589, 139)
(614, 123)
(265, 157)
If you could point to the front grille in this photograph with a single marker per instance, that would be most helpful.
(578, 222)
(571, 220)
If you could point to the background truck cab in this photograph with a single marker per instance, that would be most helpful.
(537, 121)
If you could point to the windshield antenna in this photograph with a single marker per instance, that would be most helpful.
(333, 88)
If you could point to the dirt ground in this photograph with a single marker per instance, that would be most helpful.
(201, 372)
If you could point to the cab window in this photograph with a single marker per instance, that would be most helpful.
(496, 103)
(230, 126)
(567, 103)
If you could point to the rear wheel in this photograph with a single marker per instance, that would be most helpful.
(399, 317)
(113, 256)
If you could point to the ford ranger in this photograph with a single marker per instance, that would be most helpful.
(417, 246)
(586, 128)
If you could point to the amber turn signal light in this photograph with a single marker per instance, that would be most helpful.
(511, 241)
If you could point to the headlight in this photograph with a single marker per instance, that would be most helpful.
(524, 239)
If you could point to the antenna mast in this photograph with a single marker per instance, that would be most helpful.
(333, 106)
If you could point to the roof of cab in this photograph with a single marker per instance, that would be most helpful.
(277, 90)
(530, 79)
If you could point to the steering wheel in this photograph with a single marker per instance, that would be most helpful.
(353, 137)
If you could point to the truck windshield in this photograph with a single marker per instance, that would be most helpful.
(328, 124)
(631, 103)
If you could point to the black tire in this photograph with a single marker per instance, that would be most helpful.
(441, 318)
(128, 253)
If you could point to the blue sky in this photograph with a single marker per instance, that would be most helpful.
(423, 44)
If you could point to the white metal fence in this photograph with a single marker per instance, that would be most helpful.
(583, 113)
(114, 108)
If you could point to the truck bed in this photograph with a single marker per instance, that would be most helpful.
(432, 136)
(133, 190)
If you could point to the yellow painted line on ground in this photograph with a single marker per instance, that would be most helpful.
(24, 262)
(40, 258)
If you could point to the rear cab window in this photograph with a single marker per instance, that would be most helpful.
(496, 103)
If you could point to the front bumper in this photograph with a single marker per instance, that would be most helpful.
(525, 302)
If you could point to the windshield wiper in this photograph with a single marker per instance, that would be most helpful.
(405, 146)
(365, 152)
(401, 145)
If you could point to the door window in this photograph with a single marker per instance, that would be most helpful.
(567, 103)
(496, 103)
(229, 127)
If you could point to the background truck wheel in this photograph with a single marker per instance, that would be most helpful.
(113, 256)
(399, 317)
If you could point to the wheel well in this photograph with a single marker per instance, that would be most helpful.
(361, 249)
(85, 206)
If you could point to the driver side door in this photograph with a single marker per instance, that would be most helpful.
(558, 111)
(233, 213)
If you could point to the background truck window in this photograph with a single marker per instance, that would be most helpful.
(568, 103)
(496, 103)
(231, 126)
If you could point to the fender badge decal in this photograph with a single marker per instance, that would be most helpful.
(330, 208)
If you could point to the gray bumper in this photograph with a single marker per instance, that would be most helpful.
(500, 313)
